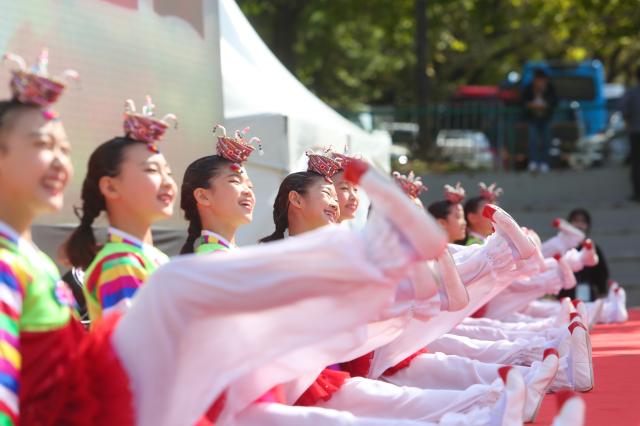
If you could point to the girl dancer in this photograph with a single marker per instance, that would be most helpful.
(450, 214)
(478, 226)
(129, 179)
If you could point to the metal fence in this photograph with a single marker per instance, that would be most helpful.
(479, 134)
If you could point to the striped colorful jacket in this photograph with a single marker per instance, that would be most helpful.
(210, 242)
(121, 266)
(34, 304)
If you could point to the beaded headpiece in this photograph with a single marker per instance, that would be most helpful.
(235, 149)
(345, 157)
(35, 86)
(454, 194)
(143, 126)
(490, 193)
(324, 163)
(410, 184)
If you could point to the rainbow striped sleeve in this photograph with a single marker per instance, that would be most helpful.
(11, 295)
(120, 275)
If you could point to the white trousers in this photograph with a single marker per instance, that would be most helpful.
(266, 414)
(485, 332)
(440, 371)
(378, 399)
(542, 308)
(531, 324)
(517, 352)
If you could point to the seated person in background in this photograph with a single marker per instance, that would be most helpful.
(596, 277)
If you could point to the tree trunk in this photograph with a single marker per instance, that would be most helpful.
(422, 83)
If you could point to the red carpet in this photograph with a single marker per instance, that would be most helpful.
(615, 399)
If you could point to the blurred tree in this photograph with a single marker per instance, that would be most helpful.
(354, 53)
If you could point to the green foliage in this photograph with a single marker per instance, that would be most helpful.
(354, 53)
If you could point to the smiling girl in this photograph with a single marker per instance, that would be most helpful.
(306, 200)
(129, 179)
(450, 214)
(217, 196)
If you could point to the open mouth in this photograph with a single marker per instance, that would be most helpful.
(332, 215)
(54, 185)
(166, 198)
(351, 206)
(246, 204)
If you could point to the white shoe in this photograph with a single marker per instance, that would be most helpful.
(566, 274)
(420, 231)
(565, 310)
(523, 246)
(510, 408)
(572, 412)
(544, 168)
(580, 358)
(581, 309)
(453, 294)
(621, 314)
(610, 309)
(568, 233)
(533, 166)
(539, 383)
(588, 253)
(595, 310)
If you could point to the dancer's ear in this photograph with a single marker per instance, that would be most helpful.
(295, 199)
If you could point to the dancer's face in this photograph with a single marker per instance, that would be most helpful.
(144, 187)
(317, 207)
(478, 223)
(229, 197)
(348, 197)
(454, 224)
(35, 163)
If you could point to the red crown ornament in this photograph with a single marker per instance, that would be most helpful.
(143, 126)
(454, 194)
(35, 86)
(235, 149)
(323, 163)
(490, 193)
(410, 184)
(344, 158)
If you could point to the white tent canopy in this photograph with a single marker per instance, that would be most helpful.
(260, 92)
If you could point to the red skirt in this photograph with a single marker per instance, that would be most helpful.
(404, 363)
(327, 383)
(358, 367)
(73, 378)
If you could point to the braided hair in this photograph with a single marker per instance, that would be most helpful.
(198, 175)
(81, 246)
(298, 182)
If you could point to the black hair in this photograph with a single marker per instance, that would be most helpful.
(197, 175)
(580, 212)
(540, 73)
(472, 206)
(299, 182)
(440, 209)
(7, 110)
(81, 246)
